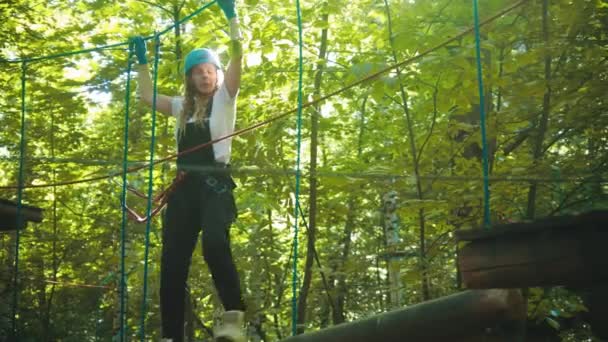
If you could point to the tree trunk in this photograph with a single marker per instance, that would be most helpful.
(47, 333)
(312, 215)
(49, 303)
(339, 315)
(255, 304)
(426, 292)
(280, 286)
(537, 152)
(594, 147)
(178, 37)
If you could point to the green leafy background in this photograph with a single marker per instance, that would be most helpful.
(421, 120)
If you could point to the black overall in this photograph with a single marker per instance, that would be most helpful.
(203, 199)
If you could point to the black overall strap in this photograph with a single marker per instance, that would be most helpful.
(196, 134)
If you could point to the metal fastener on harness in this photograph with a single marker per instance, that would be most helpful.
(215, 185)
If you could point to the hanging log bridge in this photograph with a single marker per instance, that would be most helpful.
(566, 250)
(8, 215)
(557, 251)
(473, 315)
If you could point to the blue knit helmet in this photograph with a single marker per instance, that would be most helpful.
(200, 56)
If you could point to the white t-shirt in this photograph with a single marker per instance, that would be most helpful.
(221, 122)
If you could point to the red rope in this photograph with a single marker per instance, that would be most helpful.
(142, 219)
(161, 199)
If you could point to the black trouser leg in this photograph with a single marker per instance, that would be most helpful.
(180, 233)
(217, 216)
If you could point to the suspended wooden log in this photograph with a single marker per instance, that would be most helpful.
(464, 316)
(566, 250)
(8, 215)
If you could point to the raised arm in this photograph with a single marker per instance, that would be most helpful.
(233, 72)
(146, 87)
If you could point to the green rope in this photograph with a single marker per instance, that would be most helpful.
(482, 114)
(294, 289)
(64, 54)
(142, 328)
(123, 197)
(19, 219)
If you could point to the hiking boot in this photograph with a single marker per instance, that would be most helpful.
(231, 328)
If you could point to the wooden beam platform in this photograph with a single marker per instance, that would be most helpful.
(565, 250)
(464, 316)
(8, 215)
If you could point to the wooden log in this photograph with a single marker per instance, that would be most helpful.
(464, 316)
(8, 215)
(556, 251)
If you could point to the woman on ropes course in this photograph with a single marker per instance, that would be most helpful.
(202, 198)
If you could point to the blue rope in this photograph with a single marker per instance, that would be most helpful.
(482, 113)
(19, 220)
(142, 328)
(294, 290)
(123, 227)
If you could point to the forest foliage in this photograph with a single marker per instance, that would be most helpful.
(414, 130)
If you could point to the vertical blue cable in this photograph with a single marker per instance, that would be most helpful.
(294, 289)
(482, 113)
(19, 219)
(123, 201)
(142, 328)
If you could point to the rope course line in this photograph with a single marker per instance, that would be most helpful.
(142, 328)
(517, 178)
(290, 112)
(123, 196)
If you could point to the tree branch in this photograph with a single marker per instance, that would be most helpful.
(435, 93)
(576, 190)
(157, 6)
